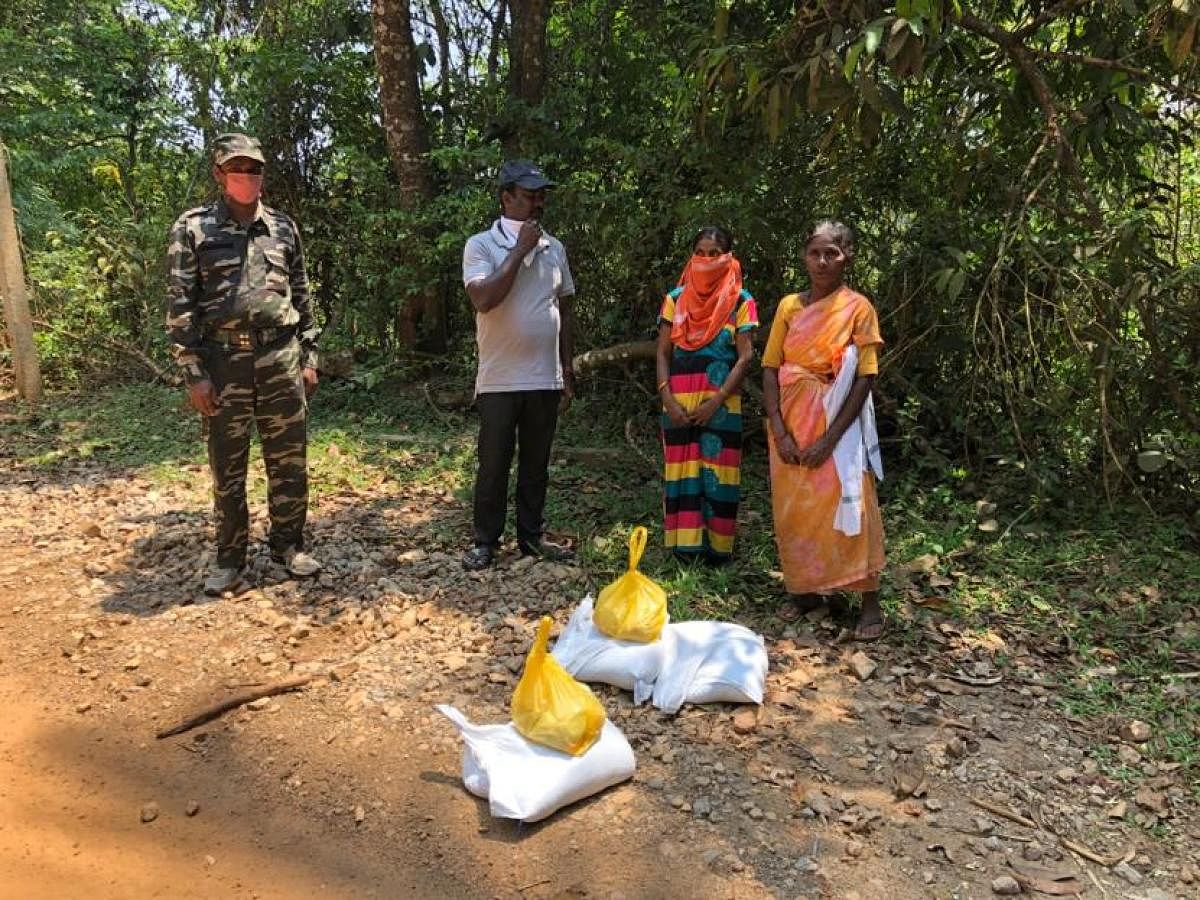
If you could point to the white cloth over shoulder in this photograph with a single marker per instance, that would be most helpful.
(710, 662)
(526, 781)
(858, 449)
(592, 656)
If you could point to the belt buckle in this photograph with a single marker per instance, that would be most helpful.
(244, 340)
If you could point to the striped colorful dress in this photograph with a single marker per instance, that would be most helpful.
(702, 472)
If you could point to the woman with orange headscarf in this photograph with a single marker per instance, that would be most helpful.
(704, 352)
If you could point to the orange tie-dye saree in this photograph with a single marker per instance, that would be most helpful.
(815, 557)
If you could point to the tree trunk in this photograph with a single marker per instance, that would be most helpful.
(527, 49)
(493, 57)
(442, 28)
(526, 70)
(16, 299)
(131, 161)
(202, 99)
(400, 96)
(407, 137)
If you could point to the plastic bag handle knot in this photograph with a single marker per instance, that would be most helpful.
(637, 546)
(541, 643)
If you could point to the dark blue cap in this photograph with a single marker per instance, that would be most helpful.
(523, 173)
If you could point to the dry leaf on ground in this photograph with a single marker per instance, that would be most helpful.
(1058, 882)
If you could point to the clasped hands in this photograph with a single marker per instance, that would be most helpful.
(701, 415)
(811, 457)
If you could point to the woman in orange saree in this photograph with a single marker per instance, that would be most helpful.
(809, 336)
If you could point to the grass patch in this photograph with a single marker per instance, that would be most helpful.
(136, 426)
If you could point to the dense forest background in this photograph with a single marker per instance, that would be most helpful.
(1022, 177)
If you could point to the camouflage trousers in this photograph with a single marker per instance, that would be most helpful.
(262, 388)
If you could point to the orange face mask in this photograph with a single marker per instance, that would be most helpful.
(243, 187)
(711, 288)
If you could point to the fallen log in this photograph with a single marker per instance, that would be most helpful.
(208, 713)
(616, 354)
(634, 351)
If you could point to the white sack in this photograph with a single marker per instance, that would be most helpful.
(710, 662)
(526, 781)
(592, 656)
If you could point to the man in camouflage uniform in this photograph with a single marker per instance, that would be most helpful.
(241, 329)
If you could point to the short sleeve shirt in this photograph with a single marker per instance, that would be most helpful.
(518, 340)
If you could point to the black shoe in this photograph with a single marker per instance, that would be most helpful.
(478, 557)
(547, 550)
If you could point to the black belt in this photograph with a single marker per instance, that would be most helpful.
(248, 338)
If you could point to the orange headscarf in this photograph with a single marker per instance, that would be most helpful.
(711, 288)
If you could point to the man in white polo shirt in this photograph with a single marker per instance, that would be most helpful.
(521, 288)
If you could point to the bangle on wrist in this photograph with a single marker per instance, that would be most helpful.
(663, 385)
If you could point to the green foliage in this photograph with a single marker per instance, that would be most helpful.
(1039, 294)
(1023, 184)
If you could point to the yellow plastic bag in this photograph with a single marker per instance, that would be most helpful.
(550, 707)
(632, 608)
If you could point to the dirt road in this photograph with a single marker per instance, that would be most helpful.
(351, 787)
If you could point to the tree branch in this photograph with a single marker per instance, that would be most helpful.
(93, 141)
(1046, 16)
(1115, 65)
(1025, 61)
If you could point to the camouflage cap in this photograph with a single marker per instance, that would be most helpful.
(234, 143)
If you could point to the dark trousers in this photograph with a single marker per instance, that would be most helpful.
(525, 421)
(258, 389)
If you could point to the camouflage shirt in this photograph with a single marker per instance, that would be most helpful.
(221, 273)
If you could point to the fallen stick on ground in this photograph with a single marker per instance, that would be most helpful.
(1074, 847)
(1005, 813)
(1096, 882)
(963, 678)
(234, 701)
(1083, 851)
(596, 456)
